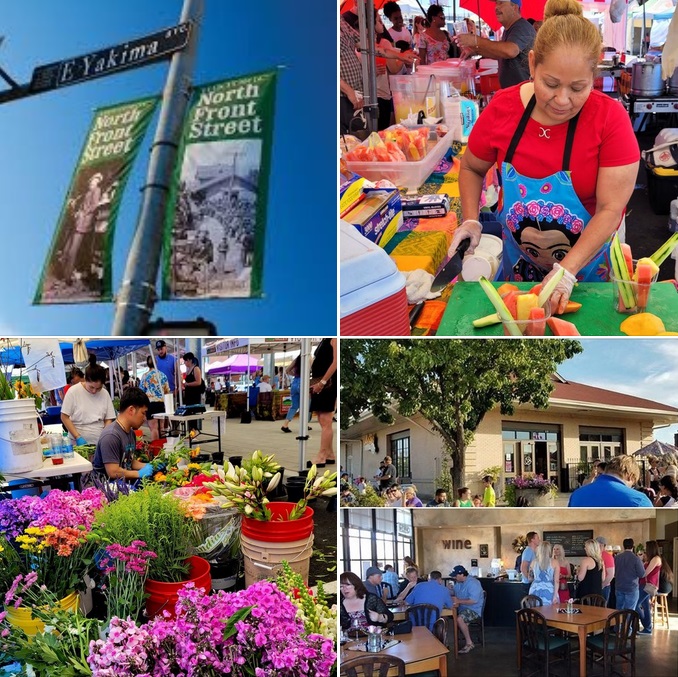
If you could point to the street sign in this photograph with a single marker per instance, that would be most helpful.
(131, 54)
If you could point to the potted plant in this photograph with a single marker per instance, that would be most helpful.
(536, 490)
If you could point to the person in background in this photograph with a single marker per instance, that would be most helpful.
(394, 497)
(648, 585)
(411, 499)
(477, 501)
(489, 497)
(87, 408)
(372, 581)
(294, 370)
(406, 587)
(668, 492)
(77, 376)
(168, 365)
(608, 567)
(593, 474)
(591, 570)
(555, 136)
(398, 30)
(359, 607)
(628, 571)
(665, 578)
(513, 49)
(265, 384)
(439, 500)
(324, 397)
(613, 488)
(464, 498)
(390, 578)
(545, 574)
(388, 474)
(434, 43)
(114, 455)
(653, 473)
(563, 573)
(154, 383)
(432, 591)
(468, 597)
(420, 25)
(533, 541)
(193, 385)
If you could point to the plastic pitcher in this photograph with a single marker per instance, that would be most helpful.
(412, 94)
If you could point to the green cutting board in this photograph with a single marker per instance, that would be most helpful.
(596, 317)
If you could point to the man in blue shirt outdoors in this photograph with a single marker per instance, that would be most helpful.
(613, 489)
(469, 600)
(432, 591)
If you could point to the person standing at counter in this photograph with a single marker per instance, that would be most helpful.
(533, 541)
(545, 570)
(468, 596)
(628, 571)
(608, 567)
(563, 573)
(591, 570)
(568, 158)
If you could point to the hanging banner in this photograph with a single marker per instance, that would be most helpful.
(78, 266)
(216, 218)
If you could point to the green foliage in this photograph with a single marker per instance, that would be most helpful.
(451, 383)
(444, 480)
(493, 471)
(369, 499)
(510, 495)
(10, 565)
(157, 519)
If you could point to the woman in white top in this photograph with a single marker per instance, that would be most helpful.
(87, 407)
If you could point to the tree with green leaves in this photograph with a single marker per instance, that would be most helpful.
(452, 383)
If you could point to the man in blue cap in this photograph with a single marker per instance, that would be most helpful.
(511, 51)
(468, 597)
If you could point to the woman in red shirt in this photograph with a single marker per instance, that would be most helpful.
(568, 158)
(653, 565)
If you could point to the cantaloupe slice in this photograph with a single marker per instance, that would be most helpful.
(642, 324)
(562, 327)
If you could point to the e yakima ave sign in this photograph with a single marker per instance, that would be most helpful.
(139, 52)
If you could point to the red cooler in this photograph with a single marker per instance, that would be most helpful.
(373, 299)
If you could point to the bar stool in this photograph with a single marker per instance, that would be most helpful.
(661, 601)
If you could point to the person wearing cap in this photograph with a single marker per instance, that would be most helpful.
(372, 581)
(608, 566)
(360, 608)
(512, 51)
(568, 158)
(612, 489)
(432, 591)
(167, 365)
(468, 598)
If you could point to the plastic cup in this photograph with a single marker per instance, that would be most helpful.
(57, 460)
(626, 294)
(529, 327)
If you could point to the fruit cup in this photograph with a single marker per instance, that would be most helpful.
(530, 319)
(633, 296)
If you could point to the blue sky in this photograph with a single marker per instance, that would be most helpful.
(41, 138)
(642, 367)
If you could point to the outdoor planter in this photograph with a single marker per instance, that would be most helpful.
(536, 499)
(23, 617)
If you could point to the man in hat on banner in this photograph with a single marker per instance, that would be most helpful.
(608, 563)
(468, 598)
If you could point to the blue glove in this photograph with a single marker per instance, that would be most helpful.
(80, 441)
(146, 471)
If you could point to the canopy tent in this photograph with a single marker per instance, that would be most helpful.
(104, 349)
(236, 364)
(656, 448)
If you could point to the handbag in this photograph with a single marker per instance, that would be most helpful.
(402, 628)
(650, 589)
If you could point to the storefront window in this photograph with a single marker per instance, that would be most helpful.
(399, 451)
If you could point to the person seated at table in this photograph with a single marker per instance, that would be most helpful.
(464, 500)
(468, 597)
(360, 608)
(394, 497)
(612, 489)
(406, 587)
(411, 498)
(439, 500)
(591, 570)
(372, 581)
(390, 578)
(432, 591)
(545, 573)
(114, 455)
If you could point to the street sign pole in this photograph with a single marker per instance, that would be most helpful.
(137, 295)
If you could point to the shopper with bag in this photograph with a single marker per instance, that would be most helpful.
(649, 585)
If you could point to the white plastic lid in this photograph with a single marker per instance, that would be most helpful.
(492, 244)
(474, 267)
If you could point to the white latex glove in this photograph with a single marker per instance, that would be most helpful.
(469, 229)
(561, 294)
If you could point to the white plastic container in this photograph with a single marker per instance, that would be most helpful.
(485, 261)
(20, 449)
(407, 175)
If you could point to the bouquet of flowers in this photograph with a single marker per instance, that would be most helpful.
(250, 632)
(530, 481)
(519, 544)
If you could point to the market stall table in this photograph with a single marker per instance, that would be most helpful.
(419, 650)
(590, 619)
(400, 614)
(201, 438)
(71, 467)
(596, 317)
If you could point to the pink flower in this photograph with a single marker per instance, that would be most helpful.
(577, 226)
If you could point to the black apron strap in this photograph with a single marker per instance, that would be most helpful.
(569, 142)
(520, 129)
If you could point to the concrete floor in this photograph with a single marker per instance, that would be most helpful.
(656, 655)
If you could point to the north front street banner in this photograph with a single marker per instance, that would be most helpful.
(216, 218)
(78, 266)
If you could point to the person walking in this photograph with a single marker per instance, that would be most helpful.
(294, 370)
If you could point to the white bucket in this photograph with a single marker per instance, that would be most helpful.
(169, 403)
(263, 560)
(20, 449)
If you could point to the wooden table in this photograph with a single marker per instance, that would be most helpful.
(419, 649)
(590, 619)
(400, 614)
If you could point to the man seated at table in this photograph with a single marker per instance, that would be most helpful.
(390, 579)
(613, 489)
(373, 583)
(433, 592)
(114, 455)
(468, 597)
(406, 586)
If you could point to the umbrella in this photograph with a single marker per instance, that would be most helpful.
(531, 9)
(656, 448)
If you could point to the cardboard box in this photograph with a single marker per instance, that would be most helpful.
(378, 216)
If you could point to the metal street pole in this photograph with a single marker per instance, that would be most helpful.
(137, 295)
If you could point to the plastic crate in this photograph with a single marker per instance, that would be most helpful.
(662, 187)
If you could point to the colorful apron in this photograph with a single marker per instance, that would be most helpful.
(543, 218)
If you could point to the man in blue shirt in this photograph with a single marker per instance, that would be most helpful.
(628, 568)
(433, 592)
(613, 489)
(469, 599)
(533, 541)
(390, 578)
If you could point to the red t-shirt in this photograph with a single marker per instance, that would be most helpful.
(604, 138)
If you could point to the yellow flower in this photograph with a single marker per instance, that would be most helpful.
(193, 434)
(1, 548)
(194, 466)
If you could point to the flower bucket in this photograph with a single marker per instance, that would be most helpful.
(23, 616)
(163, 596)
(155, 446)
(19, 437)
(536, 499)
(264, 559)
(280, 528)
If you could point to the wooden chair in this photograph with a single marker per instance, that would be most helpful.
(530, 601)
(480, 623)
(372, 666)
(660, 603)
(440, 630)
(593, 600)
(618, 640)
(538, 646)
(423, 614)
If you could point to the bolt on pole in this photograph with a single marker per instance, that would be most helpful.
(137, 295)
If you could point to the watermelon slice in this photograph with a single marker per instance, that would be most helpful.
(537, 326)
(562, 327)
(511, 302)
(628, 257)
(645, 274)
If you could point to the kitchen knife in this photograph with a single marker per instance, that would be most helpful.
(452, 268)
